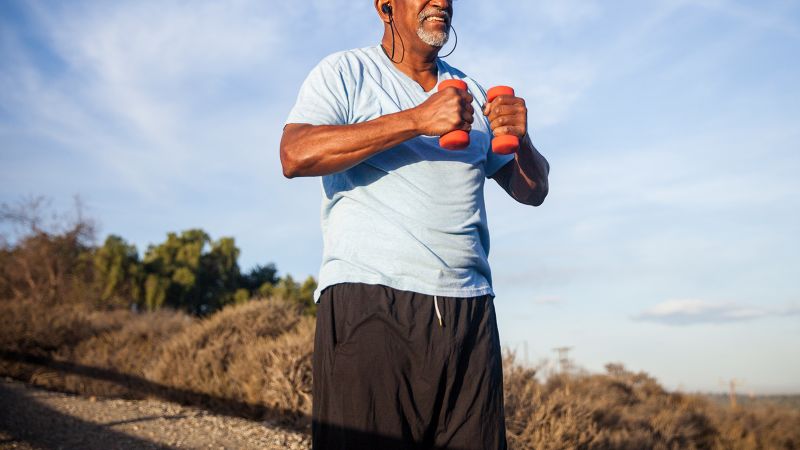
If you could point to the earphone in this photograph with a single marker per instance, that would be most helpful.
(387, 9)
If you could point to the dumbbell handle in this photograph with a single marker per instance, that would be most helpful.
(507, 143)
(456, 139)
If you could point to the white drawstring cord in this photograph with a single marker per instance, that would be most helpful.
(436, 306)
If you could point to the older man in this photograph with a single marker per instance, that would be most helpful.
(406, 351)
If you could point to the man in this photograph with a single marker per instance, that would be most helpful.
(406, 351)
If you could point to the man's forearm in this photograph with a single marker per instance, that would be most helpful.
(529, 182)
(314, 150)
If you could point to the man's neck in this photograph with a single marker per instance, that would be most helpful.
(418, 64)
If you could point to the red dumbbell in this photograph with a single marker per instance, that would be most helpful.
(505, 144)
(457, 139)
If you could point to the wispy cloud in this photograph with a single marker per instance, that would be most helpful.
(692, 311)
(147, 88)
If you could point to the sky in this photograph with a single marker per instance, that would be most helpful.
(668, 241)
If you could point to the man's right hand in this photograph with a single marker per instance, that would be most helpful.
(445, 111)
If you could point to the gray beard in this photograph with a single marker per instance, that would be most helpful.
(433, 38)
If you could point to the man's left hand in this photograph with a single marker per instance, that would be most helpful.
(507, 115)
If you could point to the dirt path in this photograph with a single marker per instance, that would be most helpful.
(32, 418)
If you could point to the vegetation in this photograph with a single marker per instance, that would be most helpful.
(58, 262)
(66, 323)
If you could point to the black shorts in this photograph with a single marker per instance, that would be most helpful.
(387, 375)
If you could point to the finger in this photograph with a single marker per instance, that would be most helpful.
(506, 110)
(508, 120)
(508, 100)
(510, 130)
(467, 96)
(467, 107)
(467, 117)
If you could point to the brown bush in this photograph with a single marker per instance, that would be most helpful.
(625, 410)
(127, 350)
(254, 360)
(258, 355)
(50, 262)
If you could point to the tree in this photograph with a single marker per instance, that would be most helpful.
(118, 273)
(193, 272)
(259, 278)
(302, 295)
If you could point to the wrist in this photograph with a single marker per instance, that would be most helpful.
(411, 121)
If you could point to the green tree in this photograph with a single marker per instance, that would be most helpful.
(302, 295)
(259, 279)
(155, 288)
(306, 297)
(173, 267)
(194, 272)
(118, 273)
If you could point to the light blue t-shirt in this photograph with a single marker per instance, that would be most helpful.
(413, 216)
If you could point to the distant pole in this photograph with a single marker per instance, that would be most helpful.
(732, 392)
(563, 361)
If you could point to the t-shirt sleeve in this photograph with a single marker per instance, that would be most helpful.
(494, 161)
(323, 97)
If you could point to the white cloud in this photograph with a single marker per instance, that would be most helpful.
(691, 311)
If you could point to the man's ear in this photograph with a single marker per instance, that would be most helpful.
(384, 10)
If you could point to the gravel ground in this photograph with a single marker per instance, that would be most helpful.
(32, 418)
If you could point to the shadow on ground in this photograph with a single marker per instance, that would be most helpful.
(28, 421)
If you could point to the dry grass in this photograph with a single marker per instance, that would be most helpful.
(257, 354)
(128, 349)
(254, 360)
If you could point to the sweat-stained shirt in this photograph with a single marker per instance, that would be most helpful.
(411, 217)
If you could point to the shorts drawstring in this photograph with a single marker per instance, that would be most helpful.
(438, 314)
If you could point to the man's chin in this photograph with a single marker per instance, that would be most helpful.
(434, 39)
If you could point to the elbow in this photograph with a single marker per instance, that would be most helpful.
(537, 195)
(289, 171)
(289, 164)
(538, 200)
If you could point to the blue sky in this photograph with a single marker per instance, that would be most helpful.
(669, 239)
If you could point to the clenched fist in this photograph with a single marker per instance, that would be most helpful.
(445, 111)
(507, 115)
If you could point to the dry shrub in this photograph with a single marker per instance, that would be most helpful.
(619, 410)
(625, 410)
(277, 373)
(539, 419)
(757, 427)
(29, 326)
(50, 260)
(127, 351)
(119, 341)
(252, 359)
